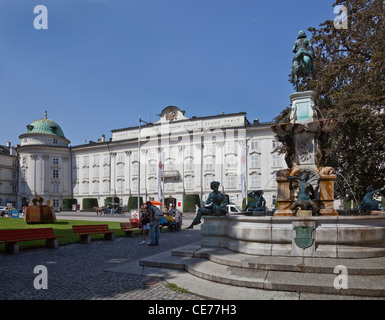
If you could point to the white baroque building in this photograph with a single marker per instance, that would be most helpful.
(9, 167)
(193, 152)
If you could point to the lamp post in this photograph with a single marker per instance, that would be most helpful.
(140, 122)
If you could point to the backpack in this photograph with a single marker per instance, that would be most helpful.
(157, 213)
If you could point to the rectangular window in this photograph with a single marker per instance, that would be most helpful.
(121, 157)
(96, 172)
(120, 170)
(230, 147)
(55, 188)
(96, 160)
(135, 156)
(106, 171)
(106, 186)
(254, 145)
(55, 161)
(276, 160)
(120, 186)
(209, 164)
(208, 148)
(55, 173)
(254, 161)
(95, 187)
(134, 185)
(169, 165)
(230, 181)
(189, 151)
(152, 167)
(135, 168)
(188, 164)
(188, 183)
(152, 185)
(230, 162)
(254, 181)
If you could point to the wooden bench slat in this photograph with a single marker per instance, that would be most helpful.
(91, 229)
(134, 222)
(16, 235)
(88, 229)
(84, 231)
(128, 228)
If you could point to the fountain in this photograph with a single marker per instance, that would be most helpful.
(296, 249)
(305, 224)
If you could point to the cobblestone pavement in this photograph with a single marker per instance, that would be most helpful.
(77, 271)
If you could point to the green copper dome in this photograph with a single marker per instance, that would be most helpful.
(46, 126)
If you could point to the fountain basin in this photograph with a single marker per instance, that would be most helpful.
(332, 236)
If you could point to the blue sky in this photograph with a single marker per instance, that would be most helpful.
(102, 63)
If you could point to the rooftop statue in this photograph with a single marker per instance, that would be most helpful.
(303, 60)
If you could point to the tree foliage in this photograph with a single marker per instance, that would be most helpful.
(189, 202)
(350, 68)
(133, 203)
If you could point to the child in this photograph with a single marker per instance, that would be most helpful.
(144, 224)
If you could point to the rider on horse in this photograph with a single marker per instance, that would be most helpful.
(302, 48)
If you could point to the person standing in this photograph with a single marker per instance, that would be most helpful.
(144, 222)
(154, 224)
(178, 220)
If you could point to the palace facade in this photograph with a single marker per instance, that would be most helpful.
(9, 172)
(191, 152)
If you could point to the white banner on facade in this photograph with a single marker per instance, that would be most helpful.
(245, 150)
(160, 169)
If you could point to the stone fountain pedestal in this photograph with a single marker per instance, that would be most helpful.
(301, 136)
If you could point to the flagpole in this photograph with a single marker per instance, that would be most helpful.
(160, 176)
(140, 122)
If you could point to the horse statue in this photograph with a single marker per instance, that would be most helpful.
(302, 66)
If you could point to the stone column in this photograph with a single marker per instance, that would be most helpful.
(283, 197)
(326, 189)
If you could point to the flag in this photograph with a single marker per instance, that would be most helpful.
(160, 169)
(244, 153)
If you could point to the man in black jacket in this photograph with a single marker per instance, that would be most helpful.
(154, 225)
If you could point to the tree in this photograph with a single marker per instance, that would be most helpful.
(350, 68)
(67, 203)
(189, 202)
(133, 203)
(89, 203)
